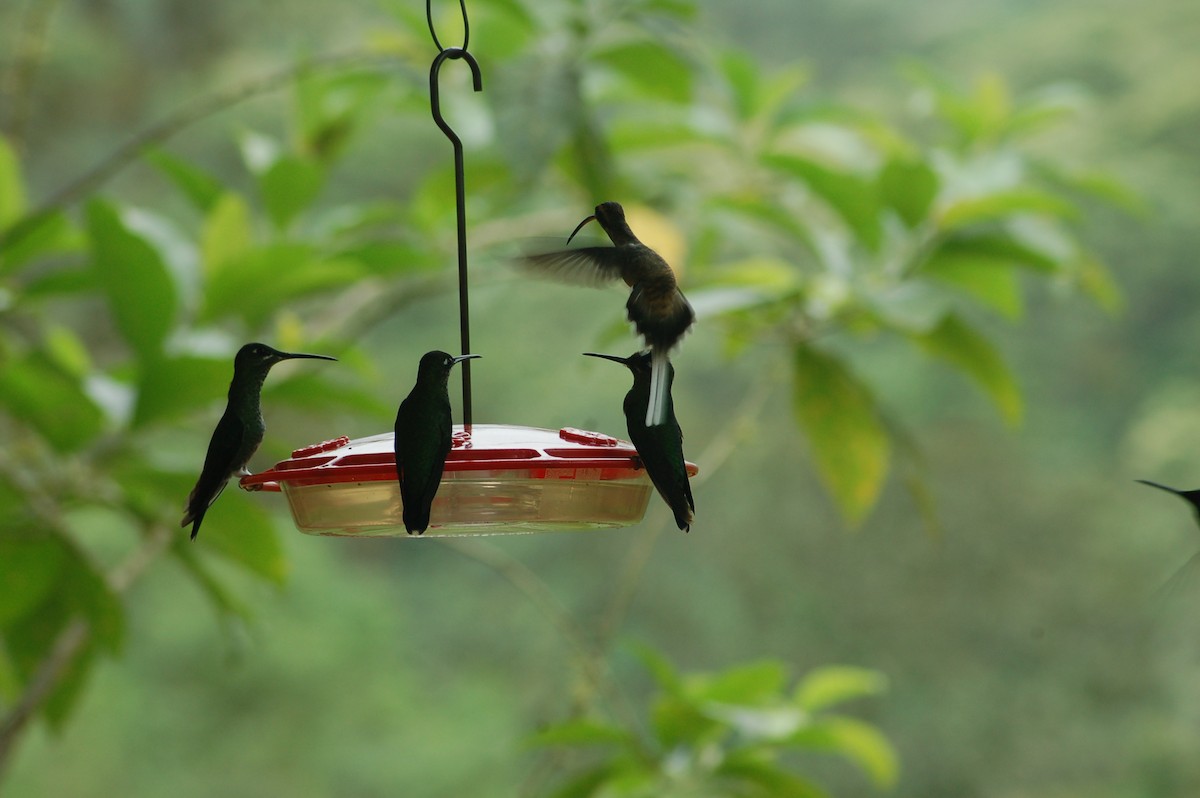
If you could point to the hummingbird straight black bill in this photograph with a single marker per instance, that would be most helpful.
(423, 438)
(1192, 497)
(240, 430)
(660, 447)
(658, 309)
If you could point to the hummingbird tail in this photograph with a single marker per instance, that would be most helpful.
(660, 389)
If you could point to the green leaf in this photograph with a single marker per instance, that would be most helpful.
(751, 683)
(41, 394)
(579, 732)
(854, 198)
(202, 189)
(30, 565)
(1004, 205)
(849, 442)
(261, 280)
(834, 684)
(227, 233)
(141, 293)
(172, 385)
(962, 346)
(289, 186)
(653, 67)
(909, 188)
(243, 532)
(12, 187)
(664, 673)
(858, 742)
(44, 234)
(770, 779)
(758, 724)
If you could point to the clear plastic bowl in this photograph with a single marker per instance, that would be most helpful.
(499, 479)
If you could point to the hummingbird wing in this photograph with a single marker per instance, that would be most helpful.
(585, 265)
(219, 465)
(661, 451)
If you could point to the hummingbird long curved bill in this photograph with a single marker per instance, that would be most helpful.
(423, 439)
(240, 430)
(658, 309)
(660, 447)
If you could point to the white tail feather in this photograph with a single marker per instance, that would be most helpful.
(656, 408)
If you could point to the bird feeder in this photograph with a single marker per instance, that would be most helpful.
(498, 479)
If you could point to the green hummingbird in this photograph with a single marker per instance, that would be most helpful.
(240, 430)
(658, 309)
(423, 439)
(659, 447)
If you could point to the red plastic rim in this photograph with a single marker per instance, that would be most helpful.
(537, 453)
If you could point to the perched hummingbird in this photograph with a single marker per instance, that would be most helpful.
(1192, 497)
(1184, 571)
(659, 447)
(658, 309)
(423, 438)
(240, 430)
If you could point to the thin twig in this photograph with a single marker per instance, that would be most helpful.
(174, 123)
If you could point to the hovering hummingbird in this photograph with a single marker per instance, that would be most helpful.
(423, 437)
(240, 430)
(658, 309)
(659, 447)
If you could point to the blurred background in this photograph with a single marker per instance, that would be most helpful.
(943, 259)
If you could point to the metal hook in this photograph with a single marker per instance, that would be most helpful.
(460, 196)
(462, 4)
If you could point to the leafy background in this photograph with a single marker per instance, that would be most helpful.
(941, 256)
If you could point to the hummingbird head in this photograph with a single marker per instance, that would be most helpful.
(611, 217)
(260, 357)
(438, 364)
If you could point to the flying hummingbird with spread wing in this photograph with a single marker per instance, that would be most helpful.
(423, 439)
(240, 430)
(658, 309)
(659, 447)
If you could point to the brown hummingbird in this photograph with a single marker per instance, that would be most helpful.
(658, 309)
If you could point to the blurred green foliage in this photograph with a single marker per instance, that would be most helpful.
(832, 249)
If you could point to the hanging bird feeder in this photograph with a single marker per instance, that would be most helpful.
(498, 478)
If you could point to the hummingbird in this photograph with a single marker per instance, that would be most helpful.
(423, 437)
(240, 430)
(1192, 497)
(658, 309)
(659, 447)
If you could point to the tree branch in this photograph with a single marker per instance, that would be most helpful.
(173, 123)
(71, 642)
